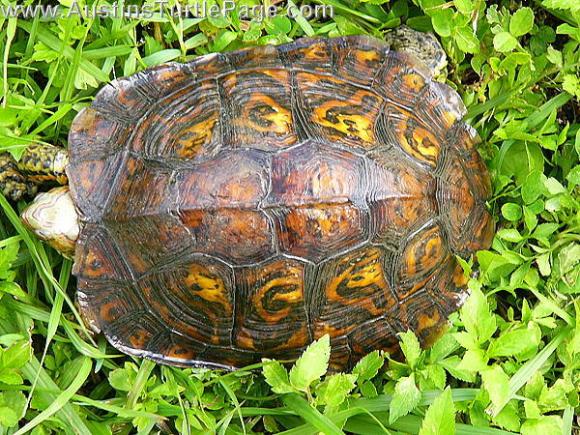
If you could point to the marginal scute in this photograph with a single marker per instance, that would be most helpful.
(375, 334)
(97, 257)
(243, 204)
(309, 55)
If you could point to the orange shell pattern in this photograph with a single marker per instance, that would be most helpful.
(244, 204)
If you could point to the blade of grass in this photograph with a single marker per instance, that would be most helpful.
(31, 370)
(302, 22)
(40, 260)
(379, 404)
(235, 401)
(567, 420)
(10, 33)
(343, 8)
(525, 372)
(145, 370)
(62, 399)
(47, 38)
(412, 424)
(311, 415)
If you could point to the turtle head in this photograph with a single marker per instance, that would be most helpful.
(423, 46)
(52, 216)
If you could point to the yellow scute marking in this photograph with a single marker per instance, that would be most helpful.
(366, 56)
(369, 273)
(348, 124)
(281, 118)
(292, 278)
(207, 286)
(414, 81)
(196, 136)
(423, 146)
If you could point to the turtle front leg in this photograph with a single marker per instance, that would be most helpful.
(13, 184)
(42, 163)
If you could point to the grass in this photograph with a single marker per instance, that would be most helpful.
(510, 361)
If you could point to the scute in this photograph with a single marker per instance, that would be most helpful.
(246, 203)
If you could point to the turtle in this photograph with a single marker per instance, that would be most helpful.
(244, 204)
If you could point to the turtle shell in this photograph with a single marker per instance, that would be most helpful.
(244, 204)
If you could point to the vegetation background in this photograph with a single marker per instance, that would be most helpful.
(509, 363)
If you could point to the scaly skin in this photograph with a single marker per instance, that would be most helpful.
(41, 163)
(424, 46)
(13, 184)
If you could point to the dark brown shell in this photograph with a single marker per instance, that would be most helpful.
(244, 204)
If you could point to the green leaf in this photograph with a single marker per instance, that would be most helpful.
(442, 20)
(534, 386)
(514, 343)
(311, 365)
(368, 367)
(546, 424)
(496, 383)
(410, 347)
(522, 159)
(10, 377)
(440, 416)
(530, 218)
(533, 187)
(405, 398)
(561, 4)
(477, 317)
(16, 355)
(8, 417)
(553, 186)
(474, 360)
(466, 40)
(556, 397)
(223, 39)
(436, 374)
(512, 212)
(532, 409)
(442, 348)
(120, 380)
(510, 235)
(522, 22)
(464, 6)
(335, 388)
(573, 176)
(508, 418)
(276, 376)
(504, 42)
